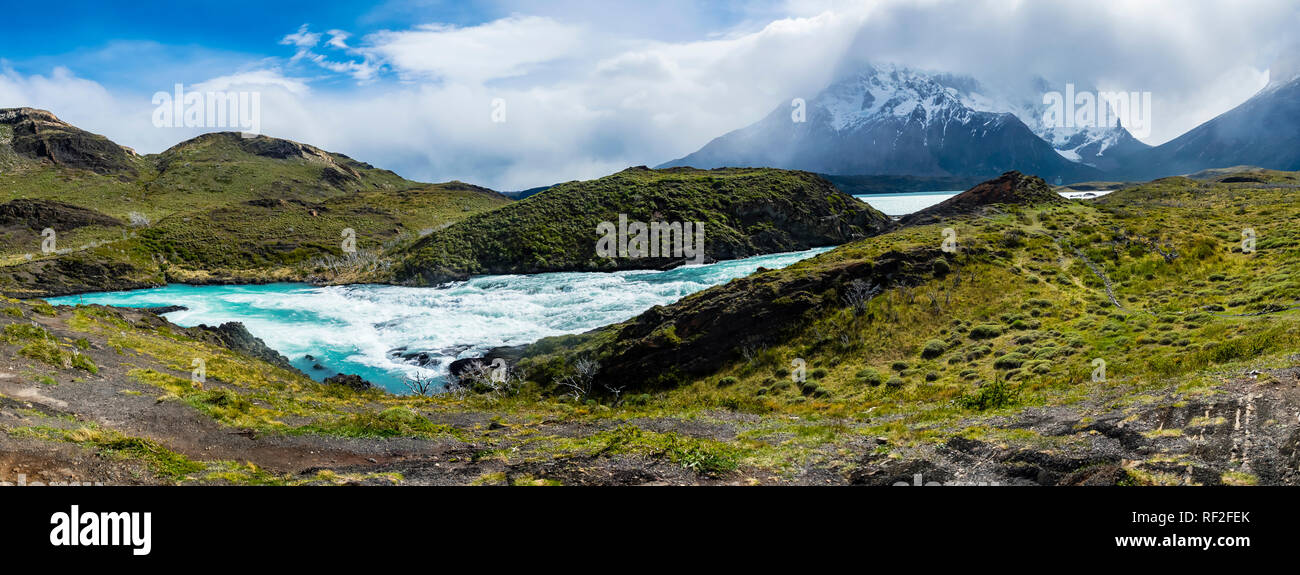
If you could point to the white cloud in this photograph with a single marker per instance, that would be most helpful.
(499, 49)
(583, 102)
(303, 39)
(254, 80)
(362, 71)
(338, 39)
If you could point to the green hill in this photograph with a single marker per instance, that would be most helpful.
(219, 207)
(744, 212)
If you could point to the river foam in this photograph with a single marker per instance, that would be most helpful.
(365, 329)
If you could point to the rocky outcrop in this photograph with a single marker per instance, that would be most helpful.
(1009, 188)
(74, 273)
(349, 380)
(36, 215)
(235, 336)
(511, 354)
(39, 135)
(707, 330)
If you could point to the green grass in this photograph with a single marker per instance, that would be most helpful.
(556, 229)
(221, 206)
(1021, 327)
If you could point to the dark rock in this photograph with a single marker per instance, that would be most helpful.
(39, 135)
(163, 310)
(454, 350)
(349, 380)
(1097, 475)
(37, 215)
(511, 355)
(73, 274)
(416, 358)
(235, 336)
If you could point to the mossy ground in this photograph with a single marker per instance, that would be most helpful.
(979, 351)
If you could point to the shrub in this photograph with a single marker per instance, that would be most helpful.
(869, 376)
(989, 396)
(1023, 324)
(727, 381)
(80, 361)
(986, 331)
(18, 332)
(933, 348)
(47, 352)
(1009, 361)
(812, 390)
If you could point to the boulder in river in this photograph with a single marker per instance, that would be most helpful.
(349, 380)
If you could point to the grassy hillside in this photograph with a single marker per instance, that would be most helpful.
(999, 342)
(971, 366)
(745, 212)
(219, 207)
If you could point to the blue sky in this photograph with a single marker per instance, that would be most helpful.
(124, 44)
(593, 87)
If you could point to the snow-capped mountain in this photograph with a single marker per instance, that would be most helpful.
(1105, 148)
(892, 120)
(1098, 143)
(1263, 131)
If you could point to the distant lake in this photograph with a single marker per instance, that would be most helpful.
(905, 203)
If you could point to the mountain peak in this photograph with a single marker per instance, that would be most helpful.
(887, 119)
(41, 136)
(15, 115)
(338, 169)
(890, 90)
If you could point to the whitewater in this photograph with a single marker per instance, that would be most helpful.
(367, 329)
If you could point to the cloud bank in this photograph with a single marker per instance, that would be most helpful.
(582, 97)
